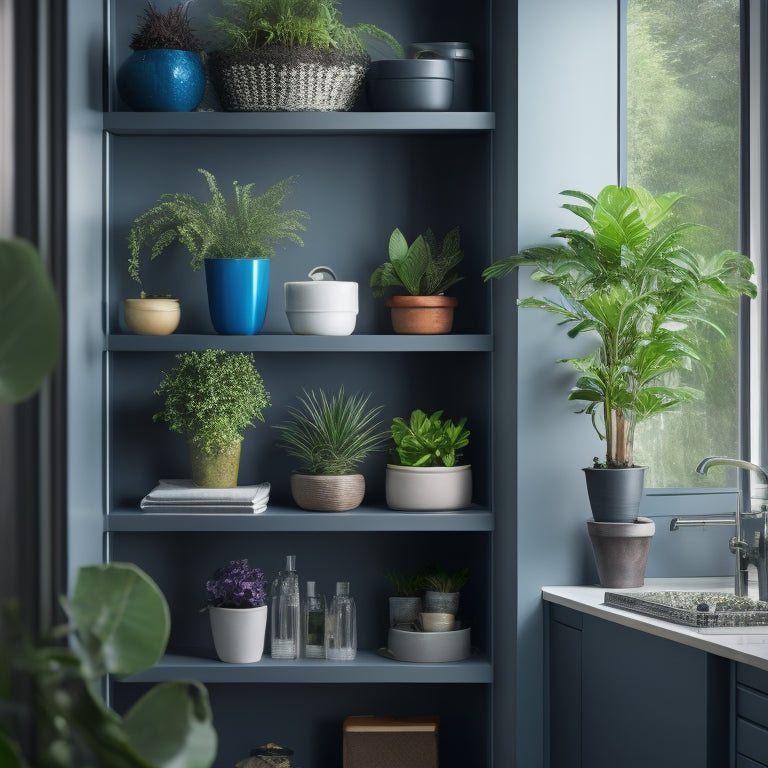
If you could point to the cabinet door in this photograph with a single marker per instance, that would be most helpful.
(648, 701)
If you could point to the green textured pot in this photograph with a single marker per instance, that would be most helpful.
(218, 470)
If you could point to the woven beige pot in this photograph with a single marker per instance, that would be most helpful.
(327, 493)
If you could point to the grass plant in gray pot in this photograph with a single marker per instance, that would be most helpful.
(442, 589)
(331, 435)
(428, 477)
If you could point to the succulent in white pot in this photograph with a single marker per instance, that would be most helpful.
(428, 477)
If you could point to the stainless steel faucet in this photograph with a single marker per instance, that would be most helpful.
(749, 543)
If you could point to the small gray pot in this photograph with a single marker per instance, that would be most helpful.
(615, 494)
(404, 610)
(441, 602)
(621, 551)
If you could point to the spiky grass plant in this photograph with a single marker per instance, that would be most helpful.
(166, 29)
(437, 579)
(254, 24)
(423, 268)
(332, 435)
(247, 227)
(211, 397)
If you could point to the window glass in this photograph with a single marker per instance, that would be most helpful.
(682, 134)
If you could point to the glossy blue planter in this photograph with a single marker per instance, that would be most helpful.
(162, 80)
(237, 294)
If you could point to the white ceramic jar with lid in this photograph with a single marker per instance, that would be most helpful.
(322, 305)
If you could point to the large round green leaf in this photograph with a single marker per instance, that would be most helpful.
(121, 617)
(29, 331)
(171, 726)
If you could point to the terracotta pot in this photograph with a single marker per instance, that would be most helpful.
(422, 314)
(327, 493)
(152, 316)
(218, 470)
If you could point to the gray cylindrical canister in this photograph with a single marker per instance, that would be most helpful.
(463, 69)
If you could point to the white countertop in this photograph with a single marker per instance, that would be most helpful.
(750, 648)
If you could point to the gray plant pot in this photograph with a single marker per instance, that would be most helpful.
(615, 494)
(621, 551)
(404, 610)
(441, 602)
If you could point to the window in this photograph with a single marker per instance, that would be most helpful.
(683, 107)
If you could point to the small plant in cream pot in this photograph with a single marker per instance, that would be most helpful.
(428, 476)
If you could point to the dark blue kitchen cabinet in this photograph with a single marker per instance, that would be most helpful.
(618, 696)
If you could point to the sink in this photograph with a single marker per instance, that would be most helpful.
(703, 611)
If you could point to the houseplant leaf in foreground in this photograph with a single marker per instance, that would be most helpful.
(29, 333)
(121, 617)
(171, 726)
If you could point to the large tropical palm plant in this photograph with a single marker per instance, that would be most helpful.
(632, 279)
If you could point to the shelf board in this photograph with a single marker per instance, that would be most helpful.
(368, 667)
(278, 519)
(288, 342)
(264, 123)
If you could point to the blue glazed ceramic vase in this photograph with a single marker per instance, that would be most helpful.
(162, 80)
(237, 294)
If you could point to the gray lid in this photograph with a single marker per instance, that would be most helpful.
(441, 50)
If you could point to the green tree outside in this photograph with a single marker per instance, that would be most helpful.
(683, 129)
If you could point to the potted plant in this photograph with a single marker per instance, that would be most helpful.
(237, 605)
(210, 397)
(120, 623)
(442, 589)
(331, 436)
(633, 280)
(425, 271)
(405, 604)
(234, 240)
(165, 72)
(428, 477)
(290, 55)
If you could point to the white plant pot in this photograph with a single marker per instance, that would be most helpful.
(238, 633)
(428, 489)
(321, 307)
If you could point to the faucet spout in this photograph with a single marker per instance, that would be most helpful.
(714, 461)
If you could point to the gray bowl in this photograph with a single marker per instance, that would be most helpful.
(429, 646)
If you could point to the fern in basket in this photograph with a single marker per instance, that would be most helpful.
(248, 227)
(254, 24)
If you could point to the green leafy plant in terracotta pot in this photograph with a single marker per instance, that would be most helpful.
(120, 622)
(237, 605)
(428, 475)
(331, 435)
(425, 270)
(633, 280)
(211, 397)
(291, 55)
(233, 239)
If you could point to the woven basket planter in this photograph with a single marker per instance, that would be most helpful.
(281, 79)
(327, 493)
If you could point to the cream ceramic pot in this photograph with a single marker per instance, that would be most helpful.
(322, 305)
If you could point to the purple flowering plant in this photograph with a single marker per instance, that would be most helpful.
(237, 586)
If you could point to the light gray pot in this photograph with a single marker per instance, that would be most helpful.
(621, 551)
(615, 494)
(428, 489)
(441, 602)
(403, 610)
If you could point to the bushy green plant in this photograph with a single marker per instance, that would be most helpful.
(254, 24)
(121, 623)
(422, 268)
(332, 435)
(248, 227)
(634, 281)
(429, 441)
(211, 397)
(166, 29)
(437, 579)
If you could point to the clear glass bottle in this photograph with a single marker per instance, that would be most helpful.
(285, 612)
(313, 624)
(341, 625)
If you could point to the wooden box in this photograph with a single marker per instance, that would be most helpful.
(390, 742)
